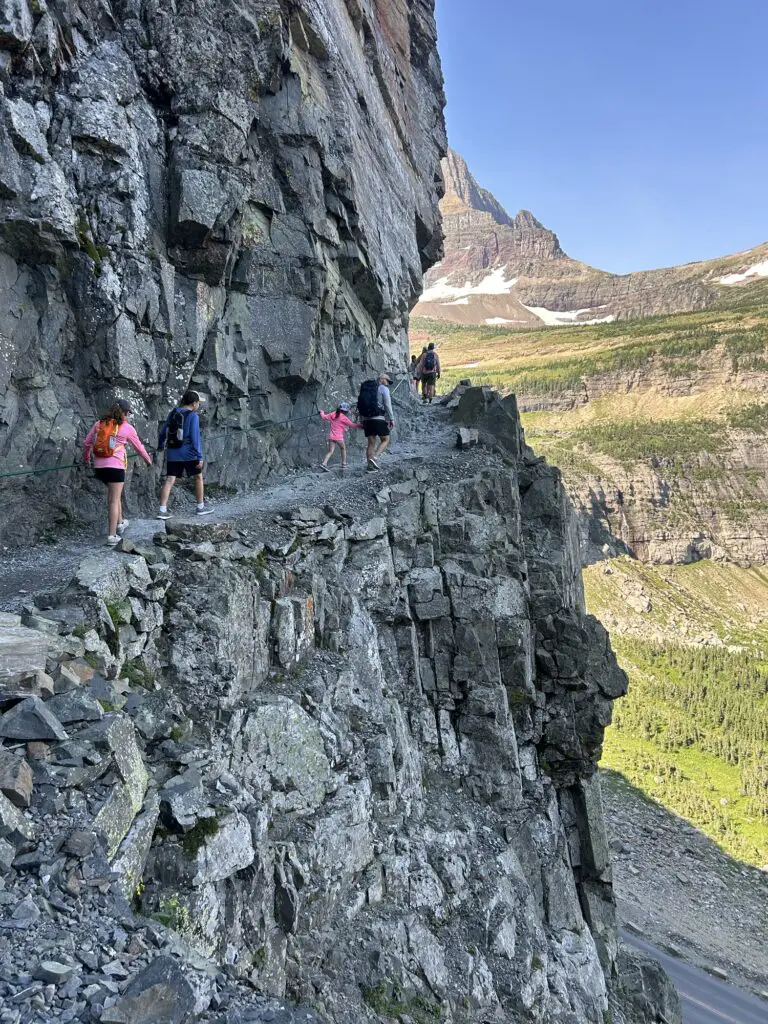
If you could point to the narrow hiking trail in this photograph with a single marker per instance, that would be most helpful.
(429, 435)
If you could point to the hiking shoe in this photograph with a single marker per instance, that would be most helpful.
(372, 467)
(111, 541)
(164, 515)
(374, 463)
(205, 510)
(324, 468)
(122, 527)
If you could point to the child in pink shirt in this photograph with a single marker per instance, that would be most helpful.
(340, 424)
(114, 431)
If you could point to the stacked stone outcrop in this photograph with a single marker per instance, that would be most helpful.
(347, 758)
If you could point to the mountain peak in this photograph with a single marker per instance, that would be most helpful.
(501, 270)
(468, 204)
(462, 191)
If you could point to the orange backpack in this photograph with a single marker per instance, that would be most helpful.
(106, 442)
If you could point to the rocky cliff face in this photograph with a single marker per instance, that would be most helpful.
(707, 499)
(237, 196)
(512, 270)
(669, 513)
(348, 756)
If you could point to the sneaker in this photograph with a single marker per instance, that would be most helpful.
(111, 541)
(324, 468)
(374, 463)
(122, 527)
(204, 511)
(164, 515)
(372, 467)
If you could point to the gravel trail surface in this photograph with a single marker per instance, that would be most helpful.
(47, 568)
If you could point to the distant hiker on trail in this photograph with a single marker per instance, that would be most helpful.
(181, 434)
(418, 367)
(374, 403)
(340, 424)
(429, 371)
(413, 372)
(106, 442)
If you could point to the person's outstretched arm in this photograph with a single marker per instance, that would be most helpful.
(88, 443)
(133, 439)
(325, 415)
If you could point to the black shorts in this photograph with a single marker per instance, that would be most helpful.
(428, 379)
(181, 468)
(109, 474)
(376, 428)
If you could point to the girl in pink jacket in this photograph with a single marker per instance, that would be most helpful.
(340, 424)
(106, 442)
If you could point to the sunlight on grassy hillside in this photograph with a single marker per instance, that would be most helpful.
(693, 730)
(681, 400)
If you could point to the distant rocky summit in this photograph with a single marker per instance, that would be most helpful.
(512, 271)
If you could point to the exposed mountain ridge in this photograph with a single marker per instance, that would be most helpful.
(503, 270)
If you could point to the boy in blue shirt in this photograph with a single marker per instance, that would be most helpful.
(181, 435)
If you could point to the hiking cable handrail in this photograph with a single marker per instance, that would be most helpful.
(209, 436)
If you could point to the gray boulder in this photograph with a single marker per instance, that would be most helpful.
(13, 825)
(160, 994)
(646, 993)
(75, 706)
(15, 778)
(31, 720)
(15, 23)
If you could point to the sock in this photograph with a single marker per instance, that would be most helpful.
(201, 504)
(163, 508)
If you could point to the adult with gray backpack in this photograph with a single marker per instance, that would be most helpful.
(181, 435)
(428, 369)
(374, 404)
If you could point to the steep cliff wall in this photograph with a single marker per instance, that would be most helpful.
(348, 755)
(240, 196)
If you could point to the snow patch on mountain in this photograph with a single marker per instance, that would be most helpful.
(560, 318)
(494, 284)
(757, 270)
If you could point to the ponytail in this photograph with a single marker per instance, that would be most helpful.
(115, 414)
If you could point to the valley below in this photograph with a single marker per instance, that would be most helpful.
(661, 434)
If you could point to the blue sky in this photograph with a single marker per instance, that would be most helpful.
(635, 129)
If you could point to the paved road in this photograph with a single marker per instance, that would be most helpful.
(706, 1000)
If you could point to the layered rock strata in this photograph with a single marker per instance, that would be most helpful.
(237, 196)
(503, 270)
(668, 509)
(348, 757)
